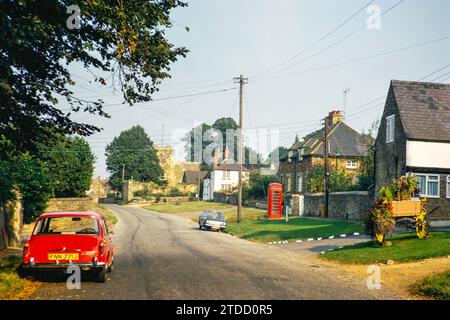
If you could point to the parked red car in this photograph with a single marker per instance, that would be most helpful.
(62, 239)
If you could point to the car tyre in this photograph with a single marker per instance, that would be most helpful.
(102, 276)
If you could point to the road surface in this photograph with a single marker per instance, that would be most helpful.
(164, 256)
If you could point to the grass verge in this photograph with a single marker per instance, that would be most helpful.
(435, 286)
(405, 247)
(188, 206)
(12, 286)
(296, 228)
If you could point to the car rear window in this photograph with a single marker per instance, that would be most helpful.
(67, 225)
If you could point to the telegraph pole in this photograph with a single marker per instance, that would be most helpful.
(123, 172)
(326, 181)
(241, 81)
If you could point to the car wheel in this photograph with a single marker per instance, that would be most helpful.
(102, 276)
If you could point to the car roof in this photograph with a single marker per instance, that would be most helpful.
(71, 214)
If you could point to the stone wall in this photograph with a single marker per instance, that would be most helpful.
(70, 204)
(11, 221)
(342, 205)
(130, 187)
(230, 198)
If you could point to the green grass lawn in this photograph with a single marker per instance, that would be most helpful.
(405, 247)
(296, 228)
(436, 286)
(188, 206)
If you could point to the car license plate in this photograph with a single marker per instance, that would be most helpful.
(63, 256)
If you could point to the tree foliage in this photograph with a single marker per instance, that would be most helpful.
(31, 179)
(258, 185)
(339, 181)
(123, 38)
(133, 149)
(70, 163)
(225, 127)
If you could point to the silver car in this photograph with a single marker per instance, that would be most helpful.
(212, 220)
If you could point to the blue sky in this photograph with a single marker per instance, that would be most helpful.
(231, 37)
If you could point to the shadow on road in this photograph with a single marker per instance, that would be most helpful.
(55, 276)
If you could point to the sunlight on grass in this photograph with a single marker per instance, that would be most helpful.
(405, 247)
(435, 286)
(12, 286)
(188, 206)
(296, 228)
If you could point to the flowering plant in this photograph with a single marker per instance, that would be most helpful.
(380, 218)
(404, 188)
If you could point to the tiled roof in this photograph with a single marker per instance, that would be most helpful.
(231, 167)
(424, 109)
(191, 176)
(343, 141)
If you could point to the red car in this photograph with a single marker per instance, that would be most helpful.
(62, 239)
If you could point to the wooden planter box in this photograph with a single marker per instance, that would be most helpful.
(406, 208)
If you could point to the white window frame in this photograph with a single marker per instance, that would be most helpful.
(448, 187)
(226, 175)
(288, 183)
(427, 175)
(351, 164)
(300, 182)
(390, 128)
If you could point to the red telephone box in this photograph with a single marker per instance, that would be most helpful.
(275, 201)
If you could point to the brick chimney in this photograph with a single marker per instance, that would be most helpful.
(334, 117)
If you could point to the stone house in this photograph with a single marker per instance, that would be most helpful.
(414, 138)
(346, 149)
(224, 176)
(173, 169)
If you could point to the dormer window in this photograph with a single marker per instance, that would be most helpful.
(390, 128)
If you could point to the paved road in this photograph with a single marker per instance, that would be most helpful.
(162, 256)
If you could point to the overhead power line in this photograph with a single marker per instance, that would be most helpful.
(336, 42)
(318, 41)
(358, 59)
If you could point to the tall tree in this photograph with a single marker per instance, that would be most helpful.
(132, 151)
(40, 40)
(70, 164)
(229, 139)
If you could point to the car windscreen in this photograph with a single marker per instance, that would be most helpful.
(214, 215)
(67, 225)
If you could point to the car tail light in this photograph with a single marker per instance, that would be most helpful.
(26, 249)
(101, 247)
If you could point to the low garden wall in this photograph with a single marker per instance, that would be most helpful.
(130, 189)
(342, 205)
(223, 197)
(70, 204)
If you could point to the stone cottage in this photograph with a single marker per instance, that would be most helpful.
(346, 149)
(414, 138)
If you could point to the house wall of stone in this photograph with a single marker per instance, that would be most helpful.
(173, 170)
(390, 158)
(438, 208)
(288, 169)
(342, 205)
